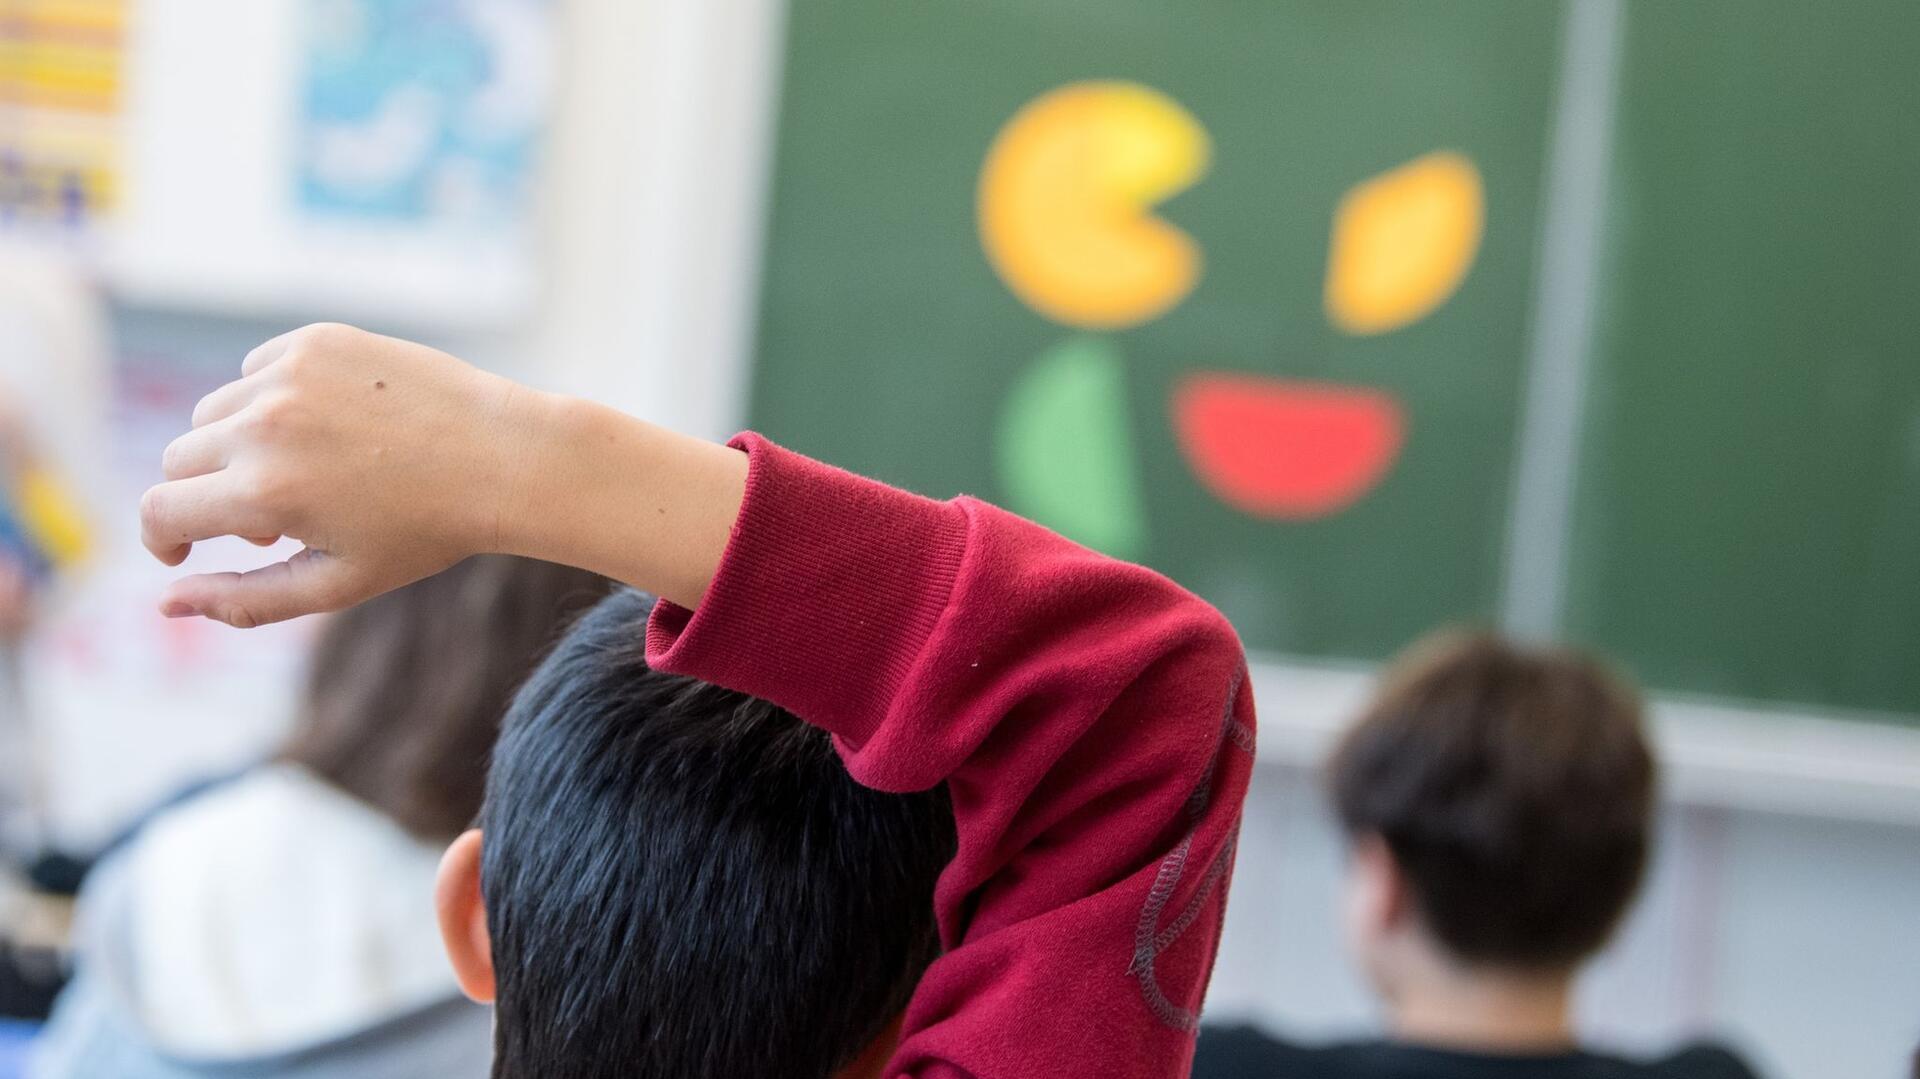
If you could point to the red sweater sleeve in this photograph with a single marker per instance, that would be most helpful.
(1091, 720)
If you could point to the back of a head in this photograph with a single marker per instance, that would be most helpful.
(407, 690)
(1515, 791)
(681, 880)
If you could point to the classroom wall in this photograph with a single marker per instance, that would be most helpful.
(658, 164)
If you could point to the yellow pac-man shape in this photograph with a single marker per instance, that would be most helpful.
(1066, 201)
(1403, 242)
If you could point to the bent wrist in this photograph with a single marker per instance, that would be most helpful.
(539, 446)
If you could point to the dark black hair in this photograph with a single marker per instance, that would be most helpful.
(1514, 789)
(684, 881)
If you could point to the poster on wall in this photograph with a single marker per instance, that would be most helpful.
(423, 114)
(62, 65)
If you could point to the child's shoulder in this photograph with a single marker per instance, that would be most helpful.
(1705, 1060)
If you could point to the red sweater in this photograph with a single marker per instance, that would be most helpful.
(1091, 720)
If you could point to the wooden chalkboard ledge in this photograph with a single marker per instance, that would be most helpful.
(1736, 755)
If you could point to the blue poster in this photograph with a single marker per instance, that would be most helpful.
(424, 112)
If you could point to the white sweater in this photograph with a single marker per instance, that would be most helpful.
(278, 911)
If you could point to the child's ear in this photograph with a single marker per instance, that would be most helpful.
(1382, 897)
(463, 918)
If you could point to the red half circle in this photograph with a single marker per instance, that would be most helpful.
(1285, 449)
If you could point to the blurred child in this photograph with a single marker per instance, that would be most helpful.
(1500, 807)
(1088, 718)
(280, 924)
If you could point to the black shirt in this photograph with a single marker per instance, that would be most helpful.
(1243, 1053)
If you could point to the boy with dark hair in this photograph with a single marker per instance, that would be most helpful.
(1500, 804)
(722, 877)
(1087, 718)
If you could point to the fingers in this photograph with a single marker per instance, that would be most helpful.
(175, 515)
(236, 395)
(264, 356)
(307, 583)
(196, 453)
(225, 401)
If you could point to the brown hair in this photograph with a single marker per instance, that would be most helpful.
(1515, 791)
(406, 691)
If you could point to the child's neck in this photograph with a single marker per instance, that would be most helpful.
(1486, 1012)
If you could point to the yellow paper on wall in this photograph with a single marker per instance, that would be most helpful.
(52, 519)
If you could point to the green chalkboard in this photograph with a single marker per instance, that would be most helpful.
(1334, 472)
(1749, 517)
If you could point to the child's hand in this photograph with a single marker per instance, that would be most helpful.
(392, 461)
(389, 460)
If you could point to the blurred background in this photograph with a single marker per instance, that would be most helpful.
(1589, 320)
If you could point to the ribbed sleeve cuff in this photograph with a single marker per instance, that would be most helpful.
(829, 589)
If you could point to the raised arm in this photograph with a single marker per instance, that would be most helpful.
(1090, 719)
